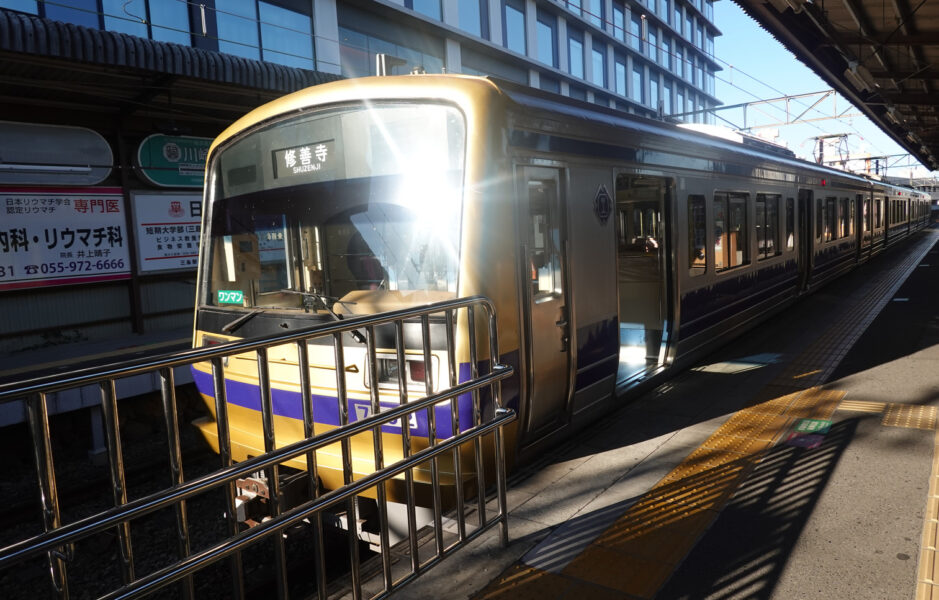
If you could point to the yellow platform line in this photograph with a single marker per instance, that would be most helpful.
(927, 584)
(638, 553)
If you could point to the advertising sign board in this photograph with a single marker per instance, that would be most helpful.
(57, 236)
(168, 227)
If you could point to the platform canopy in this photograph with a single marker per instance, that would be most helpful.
(882, 55)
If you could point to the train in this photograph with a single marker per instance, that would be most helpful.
(615, 248)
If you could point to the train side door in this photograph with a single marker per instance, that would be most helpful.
(641, 274)
(544, 232)
(806, 235)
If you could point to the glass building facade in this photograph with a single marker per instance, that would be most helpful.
(650, 57)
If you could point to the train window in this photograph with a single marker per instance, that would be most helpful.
(790, 223)
(878, 213)
(731, 245)
(544, 237)
(831, 219)
(866, 215)
(767, 226)
(697, 232)
(844, 222)
(819, 219)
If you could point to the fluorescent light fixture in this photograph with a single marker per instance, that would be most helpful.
(859, 77)
(43, 168)
(782, 5)
(892, 115)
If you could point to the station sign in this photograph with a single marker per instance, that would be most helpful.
(58, 236)
(168, 227)
(173, 161)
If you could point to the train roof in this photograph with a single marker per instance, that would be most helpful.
(464, 89)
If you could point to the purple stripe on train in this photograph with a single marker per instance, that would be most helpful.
(326, 408)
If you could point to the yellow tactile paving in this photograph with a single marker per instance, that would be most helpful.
(752, 424)
(927, 592)
(621, 572)
(862, 406)
(661, 541)
(815, 403)
(910, 416)
(521, 582)
(928, 570)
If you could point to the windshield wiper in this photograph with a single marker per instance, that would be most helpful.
(310, 300)
(241, 320)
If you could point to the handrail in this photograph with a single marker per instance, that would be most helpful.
(90, 375)
(59, 536)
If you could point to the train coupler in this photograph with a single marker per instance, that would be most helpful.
(251, 500)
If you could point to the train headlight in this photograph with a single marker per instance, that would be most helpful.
(389, 373)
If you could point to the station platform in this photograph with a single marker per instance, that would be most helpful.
(800, 461)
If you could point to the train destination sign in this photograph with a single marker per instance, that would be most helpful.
(173, 161)
(62, 236)
(303, 160)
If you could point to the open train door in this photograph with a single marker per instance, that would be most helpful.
(543, 230)
(642, 274)
(806, 235)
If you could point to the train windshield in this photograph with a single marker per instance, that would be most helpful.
(311, 209)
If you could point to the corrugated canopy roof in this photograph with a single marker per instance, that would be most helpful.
(880, 54)
(52, 65)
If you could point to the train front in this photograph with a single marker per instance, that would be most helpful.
(322, 213)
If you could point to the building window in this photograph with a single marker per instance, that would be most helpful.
(598, 63)
(549, 84)
(667, 98)
(767, 226)
(688, 30)
(679, 101)
(620, 75)
(514, 25)
(264, 31)
(24, 6)
(654, 91)
(709, 9)
(79, 12)
(686, 67)
(635, 32)
(667, 59)
(676, 17)
(431, 8)
(237, 22)
(472, 17)
(731, 244)
(638, 90)
(653, 45)
(619, 22)
(573, 6)
(575, 53)
(709, 44)
(357, 55)
(697, 241)
(699, 38)
(595, 13)
(577, 92)
(286, 37)
(546, 38)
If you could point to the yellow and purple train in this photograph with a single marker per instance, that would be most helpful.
(614, 248)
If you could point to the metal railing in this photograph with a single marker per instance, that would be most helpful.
(57, 541)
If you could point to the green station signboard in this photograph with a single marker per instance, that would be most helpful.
(173, 161)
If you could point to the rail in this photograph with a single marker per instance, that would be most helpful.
(58, 540)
